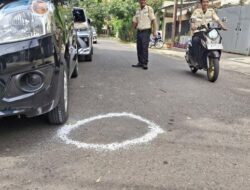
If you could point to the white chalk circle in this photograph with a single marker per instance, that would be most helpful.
(154, 130)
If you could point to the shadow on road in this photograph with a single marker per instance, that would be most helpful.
(14, 123)
(199, 75)
(21, 135)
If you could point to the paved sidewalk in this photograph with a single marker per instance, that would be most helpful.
(229, 61)
(234, 62)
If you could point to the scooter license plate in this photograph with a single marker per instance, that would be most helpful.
(214, 46)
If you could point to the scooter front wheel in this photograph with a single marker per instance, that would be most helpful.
(213, 69)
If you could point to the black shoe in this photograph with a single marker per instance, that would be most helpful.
(137, 65)
(145, 67)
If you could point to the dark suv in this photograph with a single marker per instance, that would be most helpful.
(38, 55)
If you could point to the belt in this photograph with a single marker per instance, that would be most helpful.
(144, 30)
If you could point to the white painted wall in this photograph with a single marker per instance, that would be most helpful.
(232, 2)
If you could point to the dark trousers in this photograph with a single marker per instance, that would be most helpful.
(198, 51)
(143, 38)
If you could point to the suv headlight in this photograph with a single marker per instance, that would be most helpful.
(213, 34)
(24, 24)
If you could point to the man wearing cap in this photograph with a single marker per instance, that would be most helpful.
(143, 21)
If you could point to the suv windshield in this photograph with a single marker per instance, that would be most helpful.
(79, 15)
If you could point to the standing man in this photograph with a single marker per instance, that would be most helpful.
(143, 21)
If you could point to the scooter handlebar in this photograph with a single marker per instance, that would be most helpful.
(201, 27)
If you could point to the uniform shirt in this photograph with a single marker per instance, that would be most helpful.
(144, 17)
(204, 18)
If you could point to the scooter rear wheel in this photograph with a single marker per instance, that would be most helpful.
(159, 44)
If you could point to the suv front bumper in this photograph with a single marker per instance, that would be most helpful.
(84, 51)
(18, 61)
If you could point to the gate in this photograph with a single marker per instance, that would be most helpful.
(237, 38)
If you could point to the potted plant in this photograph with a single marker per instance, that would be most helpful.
(169, 44)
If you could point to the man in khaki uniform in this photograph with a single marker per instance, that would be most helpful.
(201, 17)
(143, 21)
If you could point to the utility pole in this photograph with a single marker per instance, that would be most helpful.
(174, 20)
(180, 20)
(164, 25)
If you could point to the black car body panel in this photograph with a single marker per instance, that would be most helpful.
(31, 70)
(18, 59)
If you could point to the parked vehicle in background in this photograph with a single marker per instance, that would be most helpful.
(94, 34)
(156, 42)
(38, 56)
(82, 27)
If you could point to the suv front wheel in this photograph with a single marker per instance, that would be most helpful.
(59, 114)
(90, 56)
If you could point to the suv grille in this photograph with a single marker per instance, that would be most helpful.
(86, 40)
(2, 89)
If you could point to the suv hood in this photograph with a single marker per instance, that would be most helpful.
(83, 32)
(14, 5)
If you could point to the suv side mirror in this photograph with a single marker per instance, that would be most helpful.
(89, 22)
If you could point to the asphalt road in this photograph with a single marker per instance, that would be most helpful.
(205, 144)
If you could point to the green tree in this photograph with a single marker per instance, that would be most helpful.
(122, 12)
(156, 4)
(117, 14)
(97, 10)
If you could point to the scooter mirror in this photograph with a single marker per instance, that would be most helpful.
(212, 25)
(193, 20)
(224, 19)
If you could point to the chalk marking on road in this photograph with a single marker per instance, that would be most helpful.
(154, 131)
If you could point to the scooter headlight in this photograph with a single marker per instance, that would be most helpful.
(213, 34)
(24, 24)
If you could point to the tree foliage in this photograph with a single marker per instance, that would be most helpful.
(97, 10)
(122, 9)
(156, 4)
(117, 14)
